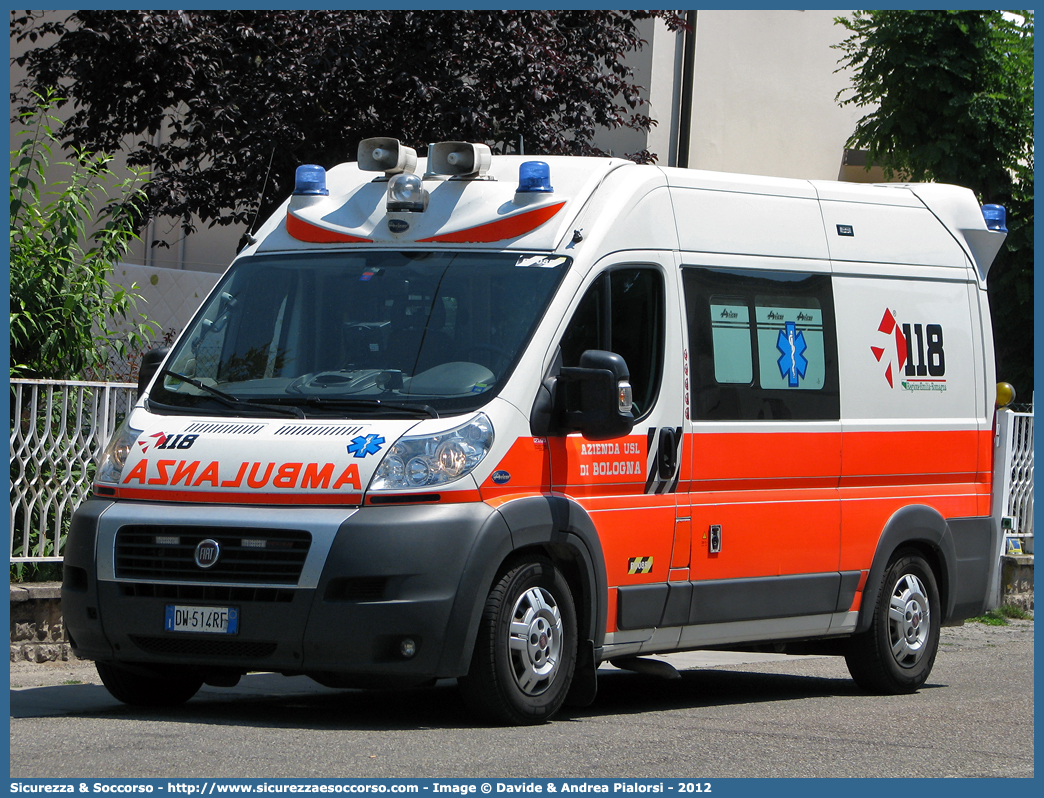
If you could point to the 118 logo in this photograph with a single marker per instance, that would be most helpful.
(918, 351)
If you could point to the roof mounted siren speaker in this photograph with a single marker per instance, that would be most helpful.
(382, 154)
(459, 159)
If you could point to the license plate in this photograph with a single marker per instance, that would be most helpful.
(217, 620)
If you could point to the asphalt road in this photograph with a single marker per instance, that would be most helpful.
(728, 716)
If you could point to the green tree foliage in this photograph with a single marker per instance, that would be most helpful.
(62, 305)
(952, 100)
(235, 91)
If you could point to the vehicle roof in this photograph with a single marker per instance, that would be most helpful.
(612, 204)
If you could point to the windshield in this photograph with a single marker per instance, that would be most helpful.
(354, 333)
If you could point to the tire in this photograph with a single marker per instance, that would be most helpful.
(142, 686)
(525, 652)
(896, 654)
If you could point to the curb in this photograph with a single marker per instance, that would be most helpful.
(36, 592)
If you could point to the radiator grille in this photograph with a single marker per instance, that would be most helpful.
(197, 647)
(166, 552)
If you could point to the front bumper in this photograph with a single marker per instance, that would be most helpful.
(373, 577)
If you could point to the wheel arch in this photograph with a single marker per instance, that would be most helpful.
(551, 526)
(923, 529)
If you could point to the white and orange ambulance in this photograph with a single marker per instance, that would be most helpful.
(505, 418)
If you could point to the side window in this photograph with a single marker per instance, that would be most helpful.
(762, 345)
(623, 312)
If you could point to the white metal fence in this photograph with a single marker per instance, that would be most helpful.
(58, 429)
(1015, 446)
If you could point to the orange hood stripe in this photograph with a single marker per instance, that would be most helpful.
(511, 227)
(313, 234)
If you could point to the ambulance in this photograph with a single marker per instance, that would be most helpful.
(504, 418)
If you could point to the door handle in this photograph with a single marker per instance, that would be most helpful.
(667, 454)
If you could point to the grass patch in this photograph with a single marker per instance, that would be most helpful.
(991, 618)
(1000, 616)
(1014, 611)
(72, 681)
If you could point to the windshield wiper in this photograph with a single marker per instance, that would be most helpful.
(360, 403)
(229, 400)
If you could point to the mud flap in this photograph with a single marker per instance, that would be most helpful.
(584, 688)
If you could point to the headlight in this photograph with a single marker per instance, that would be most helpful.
(420, 461)
(114, 456)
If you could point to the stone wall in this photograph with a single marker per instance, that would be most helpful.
(37, 630)
(1017, 581)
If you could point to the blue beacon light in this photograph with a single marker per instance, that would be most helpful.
(996, 217)
(310, 180)
(534, 177)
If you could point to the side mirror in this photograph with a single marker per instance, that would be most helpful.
(605, 396)
(150, 363)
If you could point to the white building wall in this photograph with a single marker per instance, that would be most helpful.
(169, 297)
(763, 96)
(208, 249)
(657, 69)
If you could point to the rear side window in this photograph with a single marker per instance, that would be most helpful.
(762, 345)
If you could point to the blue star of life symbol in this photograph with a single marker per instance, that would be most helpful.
(362, 446)
(792, 361)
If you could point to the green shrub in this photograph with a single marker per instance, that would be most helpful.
(66, 237)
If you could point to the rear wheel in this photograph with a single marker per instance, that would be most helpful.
(897, 652)
(525, 652)
(144, 686)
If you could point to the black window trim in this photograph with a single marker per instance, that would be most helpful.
(605, 334)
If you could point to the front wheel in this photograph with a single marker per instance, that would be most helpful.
(896, 654)
(525, 652)
(148, 687)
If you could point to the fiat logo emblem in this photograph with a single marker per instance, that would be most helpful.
(207, 553)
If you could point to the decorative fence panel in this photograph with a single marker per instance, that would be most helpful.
(1016, 447)
(58, 431)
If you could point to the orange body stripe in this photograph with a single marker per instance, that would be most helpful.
(895, 456)
(610, 618)
(501, 500)
(765, 455)
(525, 469)
(789, 503)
